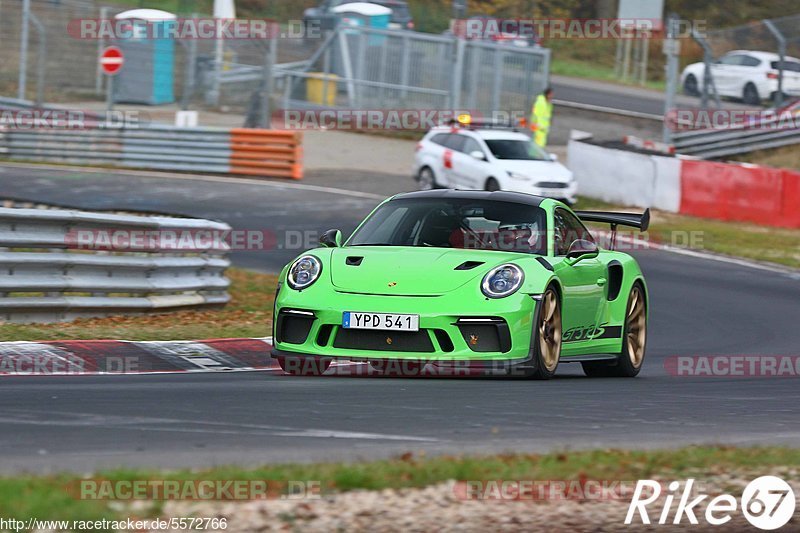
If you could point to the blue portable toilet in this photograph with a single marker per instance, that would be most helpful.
(148, 73)
(363, 14)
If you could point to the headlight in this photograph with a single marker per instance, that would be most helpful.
(502, 281)
(516, 176)
(304, 272)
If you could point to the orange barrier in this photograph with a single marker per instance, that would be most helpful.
(728, 191)
(269, 153)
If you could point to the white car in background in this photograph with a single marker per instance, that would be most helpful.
(746, 74)
(491, 158)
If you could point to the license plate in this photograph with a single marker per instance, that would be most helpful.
(383, 321)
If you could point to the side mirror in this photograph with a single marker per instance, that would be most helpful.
(580, 250)
(331, 238)
(477, 154)
(553, 157)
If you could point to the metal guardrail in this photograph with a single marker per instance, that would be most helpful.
(735, 140)
(54, 265)
(266, 153)
(239, 72)
(15, 103)
(609, 110)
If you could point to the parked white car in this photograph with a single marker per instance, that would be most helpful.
(490, 158)
(746, 74)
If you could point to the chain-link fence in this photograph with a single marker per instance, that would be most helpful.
(55, 64)
(376, 69)
(353, 67)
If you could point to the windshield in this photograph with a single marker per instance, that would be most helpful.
(516, 149)
(455, 223)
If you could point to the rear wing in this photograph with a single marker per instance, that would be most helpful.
(642, 222)
(632, 220)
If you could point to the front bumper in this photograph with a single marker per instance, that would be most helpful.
(568, 193)
(453, 328)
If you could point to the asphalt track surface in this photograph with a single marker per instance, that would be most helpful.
(623, 100)
(699, 307)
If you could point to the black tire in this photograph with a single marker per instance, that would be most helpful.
(492, 185)
(543, 367)
(690, 86)
(304, 366)
(427, 179)
(750, 95)
(626, 365)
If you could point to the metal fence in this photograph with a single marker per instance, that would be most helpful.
(59, 67)
(374, 68)
(368, 68)
(56, 66)
(54, 267)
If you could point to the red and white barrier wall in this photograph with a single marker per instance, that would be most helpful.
(708, 189)
(624, 177)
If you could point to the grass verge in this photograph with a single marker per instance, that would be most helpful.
(55, 497)
(249, 314)
(736, 239)
(785, 157)
(576, 68)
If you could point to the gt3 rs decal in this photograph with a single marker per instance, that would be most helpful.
(591, 333)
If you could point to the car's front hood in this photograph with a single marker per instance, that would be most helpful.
(538, 170)
(410, 271)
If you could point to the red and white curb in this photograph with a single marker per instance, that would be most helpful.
(83, 357)
(115, 357)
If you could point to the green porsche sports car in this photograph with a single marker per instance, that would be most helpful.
(505, 283)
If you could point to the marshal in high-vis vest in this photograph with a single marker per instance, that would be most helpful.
(541, 116)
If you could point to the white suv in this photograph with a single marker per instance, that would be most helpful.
(491, 159)
(746, 74)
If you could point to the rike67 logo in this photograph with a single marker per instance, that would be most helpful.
(767, 502)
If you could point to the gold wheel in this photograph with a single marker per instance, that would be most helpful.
(636, 327)
(550, 331)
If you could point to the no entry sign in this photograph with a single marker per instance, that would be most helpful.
(111, 60)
